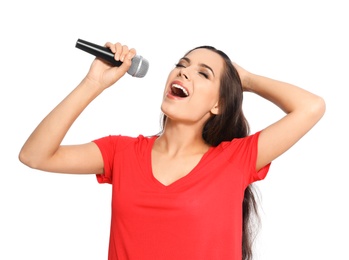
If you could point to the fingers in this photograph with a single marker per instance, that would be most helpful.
(122, 52)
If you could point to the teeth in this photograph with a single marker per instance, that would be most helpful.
(180, 87)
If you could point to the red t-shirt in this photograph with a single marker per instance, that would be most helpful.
(197, 217)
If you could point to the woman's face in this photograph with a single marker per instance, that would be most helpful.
(192, 87)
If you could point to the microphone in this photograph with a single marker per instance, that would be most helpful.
(139, 66)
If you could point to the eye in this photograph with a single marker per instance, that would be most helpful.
(204, 74)
(179, 65)
(201, 73)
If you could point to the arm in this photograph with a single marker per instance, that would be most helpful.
(303, 110)
(43, 149)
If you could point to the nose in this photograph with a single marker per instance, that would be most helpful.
(183, 72)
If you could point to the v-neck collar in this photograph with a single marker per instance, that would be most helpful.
(179, 182)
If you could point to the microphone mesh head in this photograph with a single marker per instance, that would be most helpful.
(139, 67)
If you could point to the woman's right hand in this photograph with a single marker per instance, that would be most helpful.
(104, 74)
(43, 149)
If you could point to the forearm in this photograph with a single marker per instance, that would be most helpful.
(48, 135)
(287, 97)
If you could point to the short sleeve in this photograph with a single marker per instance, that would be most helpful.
(253, 146)
(107, 147)
(113, 149)
(262, 173)
(245, 151)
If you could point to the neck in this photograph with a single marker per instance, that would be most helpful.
(181, 139)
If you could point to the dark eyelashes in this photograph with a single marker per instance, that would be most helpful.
(204, 74)
(178, 65)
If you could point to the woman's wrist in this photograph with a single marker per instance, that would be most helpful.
(247, 82)
(92, 85)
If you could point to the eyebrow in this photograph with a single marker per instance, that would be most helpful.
(200, 64)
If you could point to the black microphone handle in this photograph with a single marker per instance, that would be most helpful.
(99, 51)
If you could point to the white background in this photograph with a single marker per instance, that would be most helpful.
(53, 216)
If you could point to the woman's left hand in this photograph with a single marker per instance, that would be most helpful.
(244, 76)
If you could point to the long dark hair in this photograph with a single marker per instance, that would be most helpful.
(231, 123)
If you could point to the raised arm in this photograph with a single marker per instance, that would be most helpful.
(303, 110)
(43, 149)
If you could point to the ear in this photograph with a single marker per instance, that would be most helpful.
(215, 109)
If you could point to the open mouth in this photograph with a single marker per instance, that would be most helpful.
(179, 91)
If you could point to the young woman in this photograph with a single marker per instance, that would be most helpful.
(185, 193)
